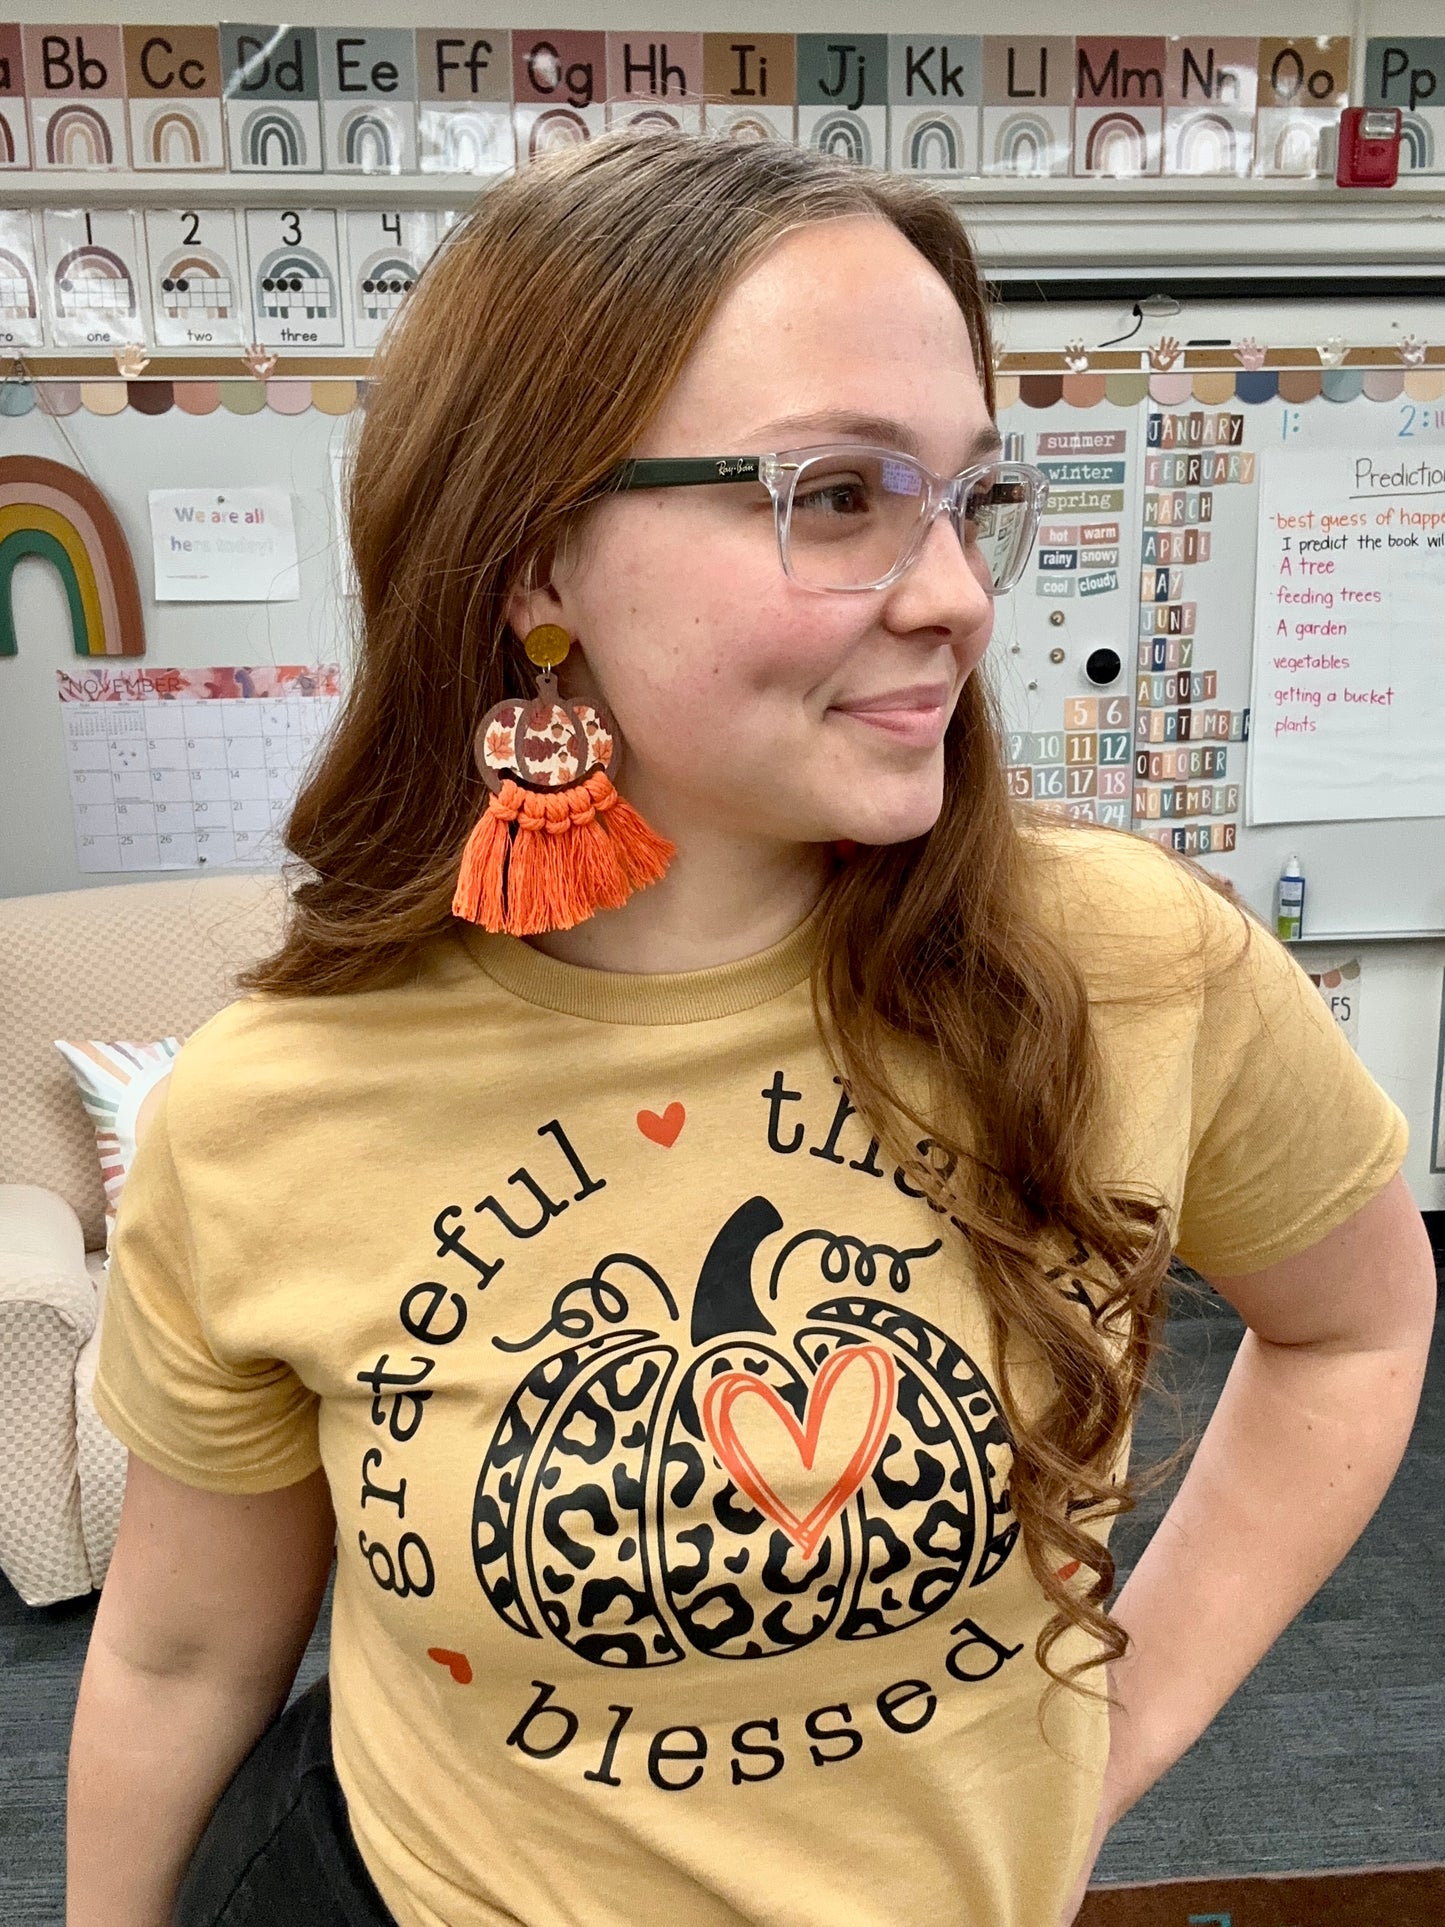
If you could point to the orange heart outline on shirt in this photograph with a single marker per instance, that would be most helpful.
(728, 1387)
(664, 1130)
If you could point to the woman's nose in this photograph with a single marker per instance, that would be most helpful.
(943, 585)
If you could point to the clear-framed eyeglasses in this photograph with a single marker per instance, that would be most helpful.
(852, 518)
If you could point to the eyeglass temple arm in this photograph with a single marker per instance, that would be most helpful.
(685, 471)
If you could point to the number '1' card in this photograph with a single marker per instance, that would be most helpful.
(94, 276)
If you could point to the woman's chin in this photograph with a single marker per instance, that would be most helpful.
(882, 819)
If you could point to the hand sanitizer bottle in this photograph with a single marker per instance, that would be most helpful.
(1289, 910)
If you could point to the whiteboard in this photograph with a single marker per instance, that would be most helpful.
(1365, 878)
(1349, 675)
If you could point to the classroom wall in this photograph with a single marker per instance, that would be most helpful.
(1399, 1031)
(126, 455)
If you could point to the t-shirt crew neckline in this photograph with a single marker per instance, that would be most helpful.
(638, 997)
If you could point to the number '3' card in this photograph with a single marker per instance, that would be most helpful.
(295, 277)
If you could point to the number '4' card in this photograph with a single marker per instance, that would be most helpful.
(385, 253)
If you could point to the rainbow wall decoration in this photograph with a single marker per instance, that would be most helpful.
(52, 511)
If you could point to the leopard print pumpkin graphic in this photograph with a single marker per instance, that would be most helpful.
(736, 1497)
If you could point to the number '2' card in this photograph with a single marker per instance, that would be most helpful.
(198, 290)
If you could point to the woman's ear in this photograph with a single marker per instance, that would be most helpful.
(529, 605)
(537, 596)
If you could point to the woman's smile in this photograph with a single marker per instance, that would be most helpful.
(917, 715)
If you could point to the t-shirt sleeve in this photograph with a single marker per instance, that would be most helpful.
(242, 1425)
(1289, 1133)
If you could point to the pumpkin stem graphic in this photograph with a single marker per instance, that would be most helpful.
(724, 1301)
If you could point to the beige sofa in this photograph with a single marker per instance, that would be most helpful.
(131, 962)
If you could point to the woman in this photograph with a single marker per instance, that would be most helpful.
(715, 1320)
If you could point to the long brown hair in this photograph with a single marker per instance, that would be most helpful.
(532, 353)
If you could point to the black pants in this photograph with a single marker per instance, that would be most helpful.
(278, 1851)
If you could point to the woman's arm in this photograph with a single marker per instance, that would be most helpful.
(1308, 1432)
(206, 1611)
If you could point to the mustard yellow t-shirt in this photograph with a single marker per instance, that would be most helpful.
(676, 1576)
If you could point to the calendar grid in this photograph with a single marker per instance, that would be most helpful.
(191, 777)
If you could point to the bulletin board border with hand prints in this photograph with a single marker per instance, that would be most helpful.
(336, 385)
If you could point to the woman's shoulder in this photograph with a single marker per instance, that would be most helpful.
(264, 1043)
(1127, 906)
(237, 1074)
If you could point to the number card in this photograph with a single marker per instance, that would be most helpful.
(198, 292)
(93, 284)
(1085, 767)
(19, 283)
(179, 769)
(385, 253)
(295, 277)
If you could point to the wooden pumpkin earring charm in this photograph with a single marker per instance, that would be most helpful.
(556, 841)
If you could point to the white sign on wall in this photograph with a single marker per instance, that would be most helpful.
(224, 545)
(1349, 641)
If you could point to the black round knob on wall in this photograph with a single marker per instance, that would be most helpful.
(1102, 666)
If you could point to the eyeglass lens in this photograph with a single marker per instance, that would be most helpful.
(856, 515)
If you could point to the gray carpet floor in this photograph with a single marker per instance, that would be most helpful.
(1331, 1755)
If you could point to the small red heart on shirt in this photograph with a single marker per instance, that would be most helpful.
(662, 1130)
(457, 1664)
(1067, 1572)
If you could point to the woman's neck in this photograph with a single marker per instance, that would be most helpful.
(720, 900)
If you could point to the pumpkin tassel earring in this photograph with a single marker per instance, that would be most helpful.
(556, 841)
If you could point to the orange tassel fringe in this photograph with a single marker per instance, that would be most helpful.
(545, 860)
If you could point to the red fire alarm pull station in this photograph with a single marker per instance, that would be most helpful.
(1369, 147)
